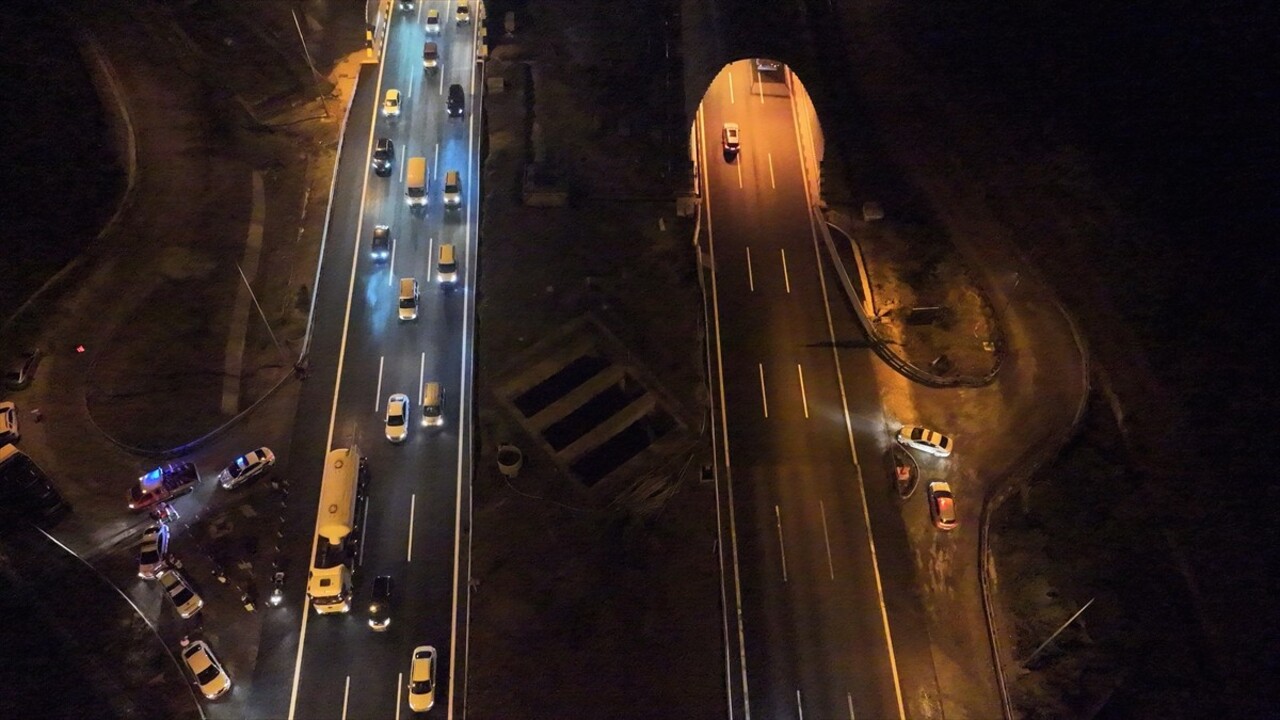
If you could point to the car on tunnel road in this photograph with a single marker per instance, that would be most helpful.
(391, 103)
(731, 140)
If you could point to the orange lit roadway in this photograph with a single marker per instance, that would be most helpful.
(808, 625)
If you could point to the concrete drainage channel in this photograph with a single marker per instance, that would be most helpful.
(604, 419)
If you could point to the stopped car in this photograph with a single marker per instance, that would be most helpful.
(380, 605)
(249, 466)
(153, 551)
(163, 484)
(942, 505)
(205, 668)
(384, 156)
(9, 423)
(925, 440)
(22, 370)
(730, 139)
(397, 417)
(422, 679)
(462, 13)
(380, 245)
(456, 101)
(391, 103)
(433, 21)
(178, 588)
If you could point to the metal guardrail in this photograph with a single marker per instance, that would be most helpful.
(877, 344)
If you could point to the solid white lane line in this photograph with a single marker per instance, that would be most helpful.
(464, 437)
(738, 166)
(731, 85)
(435, 166)
(728, 475)
(377, 394)
(751, 278)
(849, 698)
(782, 546)
(396, 694)
(342, 352)
(785, 275)
(413, 504)
(405, 156)
(760, 85)
(764, 396)
(422, 372)
(848, 422)
(803, 397)
(364, 528)
(831, 568)
(441, 92)
(346, 695)
(799, 705)
(772, 182)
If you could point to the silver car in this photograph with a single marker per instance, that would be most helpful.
(246, 468)
(205, 668)
(153, 551)
(185, 600)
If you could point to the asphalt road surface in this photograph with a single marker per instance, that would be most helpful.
(798, 426)
(417, 510)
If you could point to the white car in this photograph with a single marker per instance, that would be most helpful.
(205, 668)
(153, 551)
(925, 440)
(433, 21)
(397, 417)
(9, 423)
(422, 679)
(185, 599)
(391, 103)
(730, 139)
(246, 467)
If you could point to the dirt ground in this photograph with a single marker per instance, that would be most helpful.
(581, 608)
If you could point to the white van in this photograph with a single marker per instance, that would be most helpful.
(446, 265)
(408, 299)
(415, 183)
(432, 405)
(452, 190)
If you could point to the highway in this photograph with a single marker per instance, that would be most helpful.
(417, 506)
(812, 639)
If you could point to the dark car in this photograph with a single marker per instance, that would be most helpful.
(457, 100)
(23, 370)
(384, 156)
(26, 492)
(163, 484)
(380, 246)
(380, 605)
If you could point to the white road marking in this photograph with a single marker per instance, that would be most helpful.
(760, 85)
(413, 503)
(764, 397)
(849, 698)
(731, 85)
(464, 446)
(803, 397)
(435, 166)
(785, 275)
(772, 182)
(364, 527)
(391, 265)
(377, 394)
(848, 422)
(400, 684)
(346, 695)
(406, 157)
(738, 166)
(831, 569)
(782, 545)
(799, 705)
(751, 278)
(422, 371)
(441, 92)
